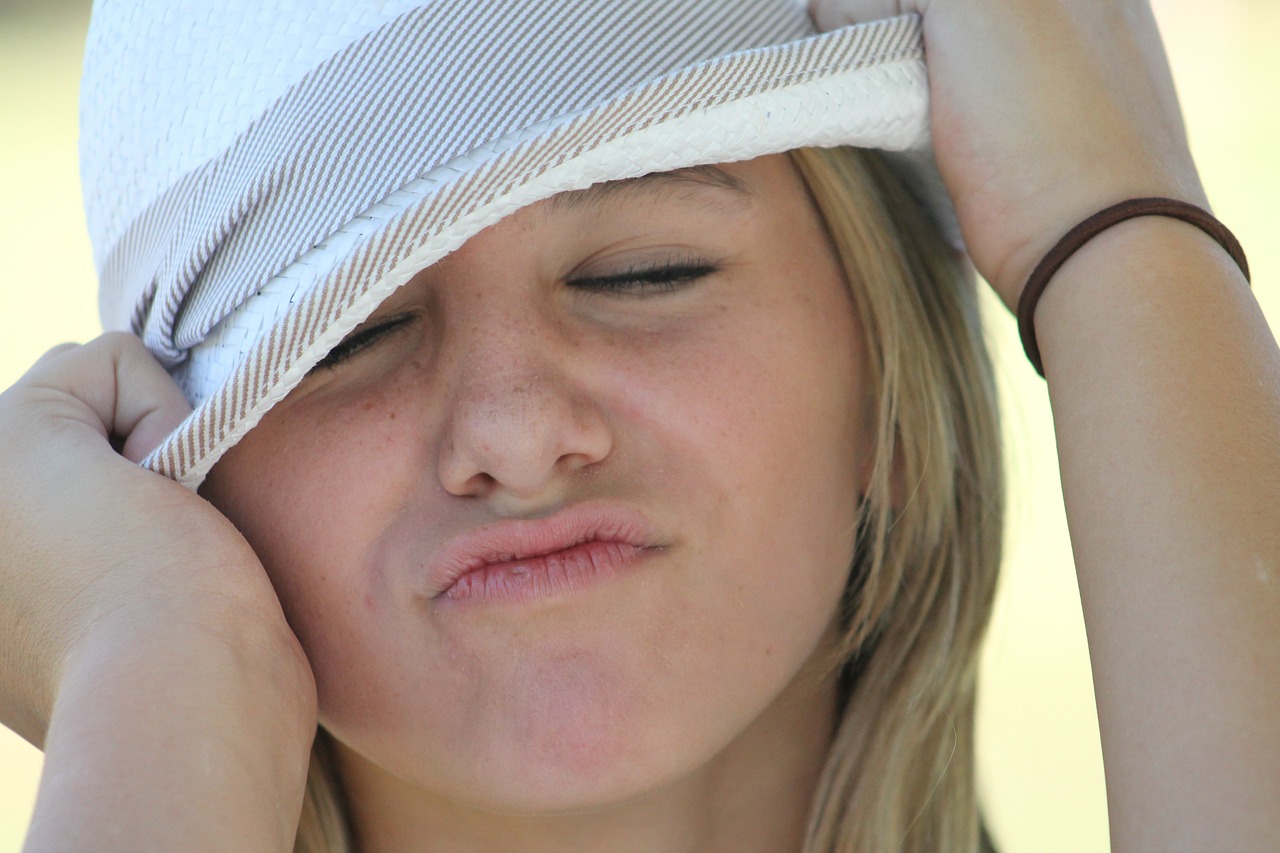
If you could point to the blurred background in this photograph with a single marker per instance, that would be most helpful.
(1040, 763)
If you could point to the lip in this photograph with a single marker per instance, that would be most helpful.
(525, 560)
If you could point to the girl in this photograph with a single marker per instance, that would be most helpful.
(661, 513)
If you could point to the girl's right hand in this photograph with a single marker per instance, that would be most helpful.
(96, 552)
(141, 642)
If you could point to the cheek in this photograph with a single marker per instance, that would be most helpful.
(757, 431)
(310, 488)
(768, 405)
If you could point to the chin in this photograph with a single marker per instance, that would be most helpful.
(563, 736)
(593, 758)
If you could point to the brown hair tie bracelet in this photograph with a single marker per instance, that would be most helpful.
(1095, 225)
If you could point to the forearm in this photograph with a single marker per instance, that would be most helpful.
(1165, 385)
(186, 740)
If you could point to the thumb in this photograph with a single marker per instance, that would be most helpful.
(832, 14)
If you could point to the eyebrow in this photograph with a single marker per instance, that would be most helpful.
(697, 176)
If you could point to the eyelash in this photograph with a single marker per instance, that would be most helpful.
(640, 280)
(643, 280)
(362, 339)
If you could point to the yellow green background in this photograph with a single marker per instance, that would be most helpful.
(1040, 763)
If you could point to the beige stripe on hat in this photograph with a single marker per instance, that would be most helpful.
(247, 216)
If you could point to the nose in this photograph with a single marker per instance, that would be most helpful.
(520, 425)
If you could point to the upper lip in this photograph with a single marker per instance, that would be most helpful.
(507, 541)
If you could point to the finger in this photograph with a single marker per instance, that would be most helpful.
(114, 385)
(148, 411)
(832, 14)
(147, 405)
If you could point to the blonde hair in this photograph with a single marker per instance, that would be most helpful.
(900, 773)
(900, 776)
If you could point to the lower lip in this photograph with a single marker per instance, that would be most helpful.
(546, 577)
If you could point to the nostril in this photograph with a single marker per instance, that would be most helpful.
(520, 436)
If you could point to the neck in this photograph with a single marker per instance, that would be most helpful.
(753, 796)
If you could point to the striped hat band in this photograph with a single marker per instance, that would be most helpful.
(257, 181)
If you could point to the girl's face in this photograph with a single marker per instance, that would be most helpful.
(636, 419)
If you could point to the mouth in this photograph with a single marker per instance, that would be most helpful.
(529, 560)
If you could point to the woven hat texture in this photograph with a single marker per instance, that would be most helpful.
(259, 177)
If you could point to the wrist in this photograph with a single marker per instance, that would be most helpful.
(153, 612)
(1043, 228)
(235, 643)
(174, 729)
(1099, 223)
(1135, 294)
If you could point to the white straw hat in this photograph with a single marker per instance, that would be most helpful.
(259, 177)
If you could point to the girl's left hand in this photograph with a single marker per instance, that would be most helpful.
(1043, 113)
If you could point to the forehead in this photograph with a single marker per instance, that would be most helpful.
(722, 181)
(766, 186)
(717, 201)
(733, 210)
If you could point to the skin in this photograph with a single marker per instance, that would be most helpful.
(513, 387)
(141, 659)
(1165, 383)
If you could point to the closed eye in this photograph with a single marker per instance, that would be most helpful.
(645, 279)
(362, 338)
